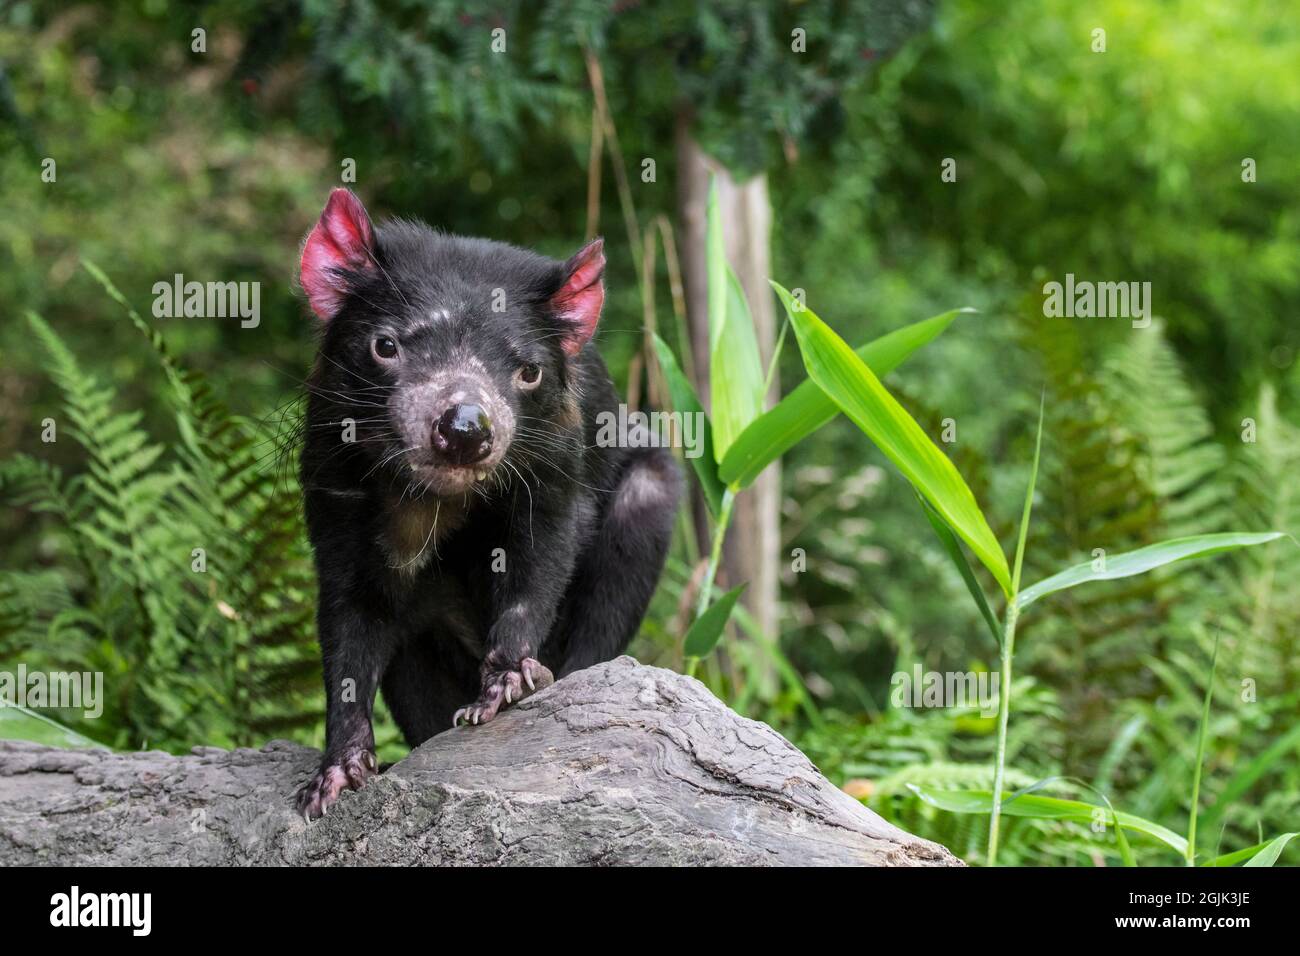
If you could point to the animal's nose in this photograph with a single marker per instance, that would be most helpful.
(463, 434)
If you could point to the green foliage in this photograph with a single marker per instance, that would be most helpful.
(1149, 770)
(730, 61)
(1048, 808)
(735, 369)
(806, 408)
(1123, 165)
(687, 402)
(707, 628)
(1070, 160)
(847, 380)
(20, 723)
(1141, 561)
(183, 577)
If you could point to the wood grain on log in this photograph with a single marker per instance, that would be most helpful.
(617, 764)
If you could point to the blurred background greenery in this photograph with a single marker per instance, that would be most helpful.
(1123, 165)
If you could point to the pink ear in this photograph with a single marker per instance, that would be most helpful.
(579, 301)
(342, 241)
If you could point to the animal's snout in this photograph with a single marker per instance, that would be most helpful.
(463, 434)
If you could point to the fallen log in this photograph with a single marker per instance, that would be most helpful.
(617, 764)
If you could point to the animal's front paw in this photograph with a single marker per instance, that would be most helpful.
(504, 687)
(349, 771)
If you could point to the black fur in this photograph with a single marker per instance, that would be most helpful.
(583, 530)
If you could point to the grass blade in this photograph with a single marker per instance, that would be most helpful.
(1029, 498)
(1202, 734)
(1008, 643)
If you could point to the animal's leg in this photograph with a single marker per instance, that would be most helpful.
(354, 653)
(425, 683)
(617, 576)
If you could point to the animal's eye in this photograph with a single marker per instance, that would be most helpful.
(527, 376)
(385, 348)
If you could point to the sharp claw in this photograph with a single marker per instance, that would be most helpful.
(507, 693)
(528, 676)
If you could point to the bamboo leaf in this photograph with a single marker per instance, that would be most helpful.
(1271, 851)
(687, 402)
(1029, 499)
(952, 547)
(1236, 856)
(1044, 808)
(703, 635)
(1144, 559)
(807, 408)
(735, 369)
(19, 723)
(843, 376)
(1261, 854)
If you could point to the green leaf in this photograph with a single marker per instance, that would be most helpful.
(1261, 854)
(842, 375)
(19, 723)
(1029, 499)
(807, 408)
(952, 547)
(687, 402)
(735, 369)
(1202, 735)
(1044, 808)
(715, 262)
(1236, 856)
(704, 633)
(1145, 559)
(1268, 856)
(1125, 851)
(1121, 841)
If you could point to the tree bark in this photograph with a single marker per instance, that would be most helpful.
(753, 547)
(617, 764)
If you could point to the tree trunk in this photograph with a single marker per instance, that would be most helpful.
(616, 764)
(753, 546)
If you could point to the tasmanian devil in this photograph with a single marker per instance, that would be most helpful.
(471, 534)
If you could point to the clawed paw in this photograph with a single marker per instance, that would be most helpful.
(504, 687)
(349, 771)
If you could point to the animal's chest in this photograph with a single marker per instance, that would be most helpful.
(440, 561)
(414, 534)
